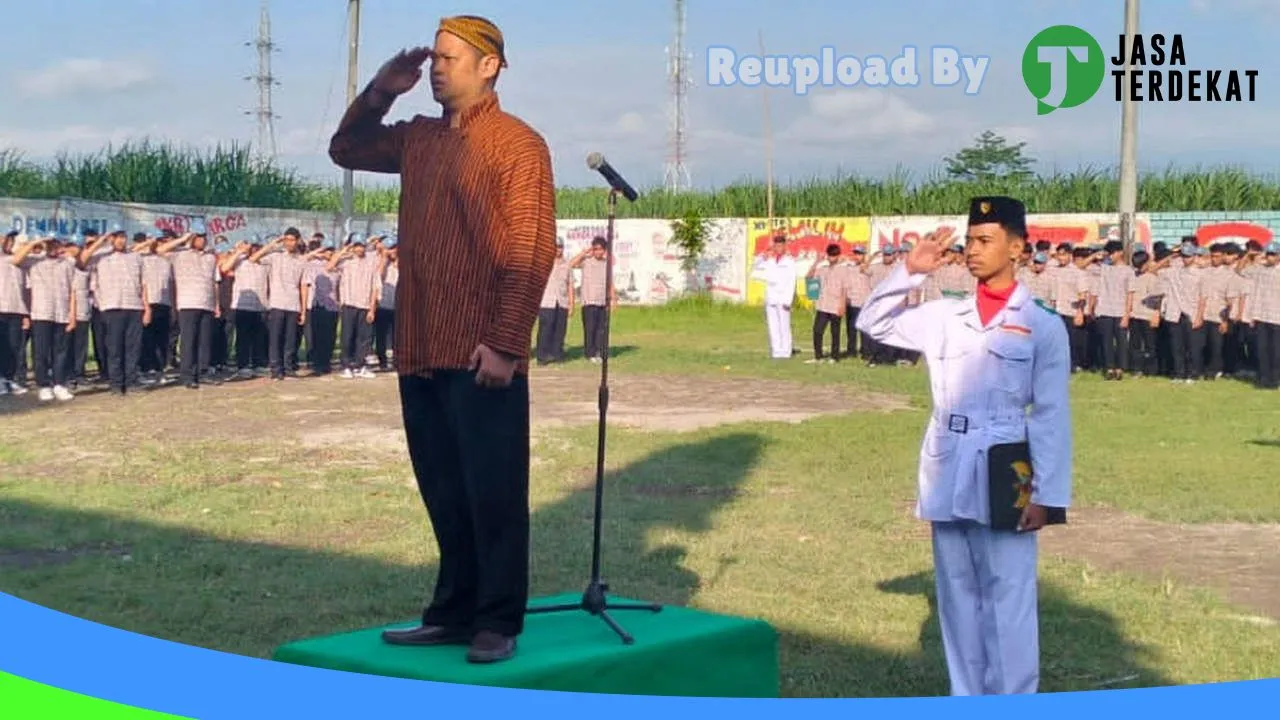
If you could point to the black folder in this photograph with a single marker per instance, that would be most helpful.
(1009, 488)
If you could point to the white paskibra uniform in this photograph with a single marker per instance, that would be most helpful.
(779, 275)
(1006, 382)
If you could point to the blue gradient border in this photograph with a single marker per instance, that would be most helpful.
(62, 651)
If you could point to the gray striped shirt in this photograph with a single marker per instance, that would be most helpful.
(195, 279)
(1113, 287)
(249, 286)
(358, 281)
(390, 281)
(857, 284)
(50, 279)
(556, 294)
(1265, 298)
(1183, 291)
(594, 281)
(13, 287)
(118, 280)
(159, 274)
(1148, 296)
(286, 278)
(324, 285)
(80, 287)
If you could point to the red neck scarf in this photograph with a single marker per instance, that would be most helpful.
(991, 301)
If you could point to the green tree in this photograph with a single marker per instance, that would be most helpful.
(991, 157)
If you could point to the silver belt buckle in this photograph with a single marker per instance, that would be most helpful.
(958, 424)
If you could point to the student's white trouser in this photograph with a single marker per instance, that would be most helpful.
(779, 319)
(987, 607)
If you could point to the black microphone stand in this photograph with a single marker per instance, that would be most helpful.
(595, 599)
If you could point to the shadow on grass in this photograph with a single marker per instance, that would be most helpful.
(249, 597)
(1266, 443)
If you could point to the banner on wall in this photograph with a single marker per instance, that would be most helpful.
(1085, 229)
(899, 231)
(808, 238)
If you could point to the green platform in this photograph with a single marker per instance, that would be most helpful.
(679, 651)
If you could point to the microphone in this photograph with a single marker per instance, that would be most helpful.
(596, 162)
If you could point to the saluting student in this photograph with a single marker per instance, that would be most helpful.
(286, 297)
(857, 289)
(323, 307)
(594, 264)
(13, 319)
(52, 311)
(1250, 265)
(1184, 312)
(78, 339)
(120, 286)
(1144, 324)
(1070, 298)
(779, 272)
(248, 305)
(384, 324)
(156, 343)
(1037, 278)
(1113, 309)
(359, 291)
(830, 305)
(196, 277)
(1220, 293)
(1262, 312)
(876, 272)
(555, 310)
(1001, 366)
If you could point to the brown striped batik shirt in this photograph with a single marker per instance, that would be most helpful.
(594, 281)
(195, 279)
(831, 288)
(249, 285)
(159, 274)
(358, 279)
(556, 294)
(50, 279)
(477, 227)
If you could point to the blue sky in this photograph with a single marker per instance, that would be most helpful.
(591, 76)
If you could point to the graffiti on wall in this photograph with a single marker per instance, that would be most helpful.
(1240, 233)
(1084, 229)
(807, 241)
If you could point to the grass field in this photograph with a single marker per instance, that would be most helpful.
(252, 514)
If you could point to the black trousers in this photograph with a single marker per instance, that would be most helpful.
(469, 447)
(1142, 348)
(282, 342)
(1268, 339)
(821, 322)
(1235, 348)
(155, 340)
(78, 352)
(175, 333)
(223, 345)
(553, 327)
(357, 337)
(50, 341)
(384, 335)
(324, 338)
(196, 343)
(99, 324)
(1215, 342)
(251, 339)
(855, 348)
(594, 323)
(1114, 341)
(1188, 349)
(11, 346)
(123, 346)
(1078, 338)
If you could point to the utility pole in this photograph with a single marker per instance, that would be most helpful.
(265, 81)
(1129, 139)
(678, 61)
(768, 142)
(353, 45)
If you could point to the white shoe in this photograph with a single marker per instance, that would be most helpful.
(16, 389)
(46, 394)
(62, 393)
(4, 387)
(366, 373)
(347, 374)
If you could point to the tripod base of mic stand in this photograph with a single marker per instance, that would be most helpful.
(596, 602)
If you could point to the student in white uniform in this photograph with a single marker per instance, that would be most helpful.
(999, 367)
(778, 270)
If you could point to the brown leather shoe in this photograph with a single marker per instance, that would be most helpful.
(426, 635)
(490, 647)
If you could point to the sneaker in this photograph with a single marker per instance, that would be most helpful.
(347, 374)
(367, 374)
(46, 394)
(16, 389)
(62, 393)
(4, 387)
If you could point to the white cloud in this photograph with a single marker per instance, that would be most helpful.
(85, 76)
(856, 116)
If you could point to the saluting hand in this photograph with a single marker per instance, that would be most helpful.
(493, 369)
(399, 74)
(926, 255)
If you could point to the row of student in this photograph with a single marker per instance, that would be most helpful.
(1197, 312)
(210, 310)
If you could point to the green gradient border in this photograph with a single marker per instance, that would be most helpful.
(22, 699)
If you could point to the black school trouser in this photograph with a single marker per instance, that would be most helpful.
(50, 341)
(324, 337)
(123, 346)
(1268, 343)
(99, 324)
(196, 330)
(1215, 342)
(11, 346)
(78, 351)
(357, 334)
(821, 322)
(1115, 342)
(1143, 355)
(1078, 338)
(593, 327)
(1187, 346)
(155, 340)
(384, 334)
(553, 327)
(469, 447)
(251, 339)
(282, 339)
(851, 332)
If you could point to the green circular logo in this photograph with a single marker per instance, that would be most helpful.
(1063, 66)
